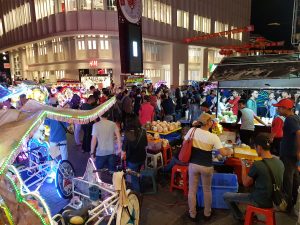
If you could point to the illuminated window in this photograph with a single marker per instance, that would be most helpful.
(1, 28)
(98, 5)
(71, 5)
(42, 48)
(220, 27)
(202, 24)
(157, 11)
(17, 17)
(194, 55)
(57, 45)
(104, 42)
(182, 19)
(60, 74)
(85, 4)
(237, 36)
(81, 44)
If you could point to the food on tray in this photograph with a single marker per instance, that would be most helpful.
(164, 127)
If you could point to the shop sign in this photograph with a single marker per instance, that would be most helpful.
(6, 65)
(93, 63)
(137, 79)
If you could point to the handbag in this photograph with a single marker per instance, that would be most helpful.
(186, 149)
(277, 195)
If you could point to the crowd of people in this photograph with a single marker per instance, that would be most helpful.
(119, 134)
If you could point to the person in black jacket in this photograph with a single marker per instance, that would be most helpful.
(134, 148)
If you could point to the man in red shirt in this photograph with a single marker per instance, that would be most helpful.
(276, 134)
(234, 103)
(146, 113)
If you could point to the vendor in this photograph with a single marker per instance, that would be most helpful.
(234, 102)
(259, 176)
(247, 117)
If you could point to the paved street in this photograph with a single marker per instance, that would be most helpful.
(164, 208)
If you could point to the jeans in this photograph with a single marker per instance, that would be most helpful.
(206, 173)
(174, 161)
(107, 161)
(232, 199)
(135, 182)
(63, 148)
(77, 128)
(290, 180)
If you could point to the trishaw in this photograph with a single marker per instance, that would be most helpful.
(20, 200)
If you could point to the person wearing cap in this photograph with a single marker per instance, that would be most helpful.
(258, 177)
(246, 116)
(200, 164)
(290, 150)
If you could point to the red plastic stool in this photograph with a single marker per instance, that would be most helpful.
(167, 154)
(182, 184)
(268, 213)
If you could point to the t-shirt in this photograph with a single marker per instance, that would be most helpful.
(168, 106)
(262, 193)
(247, 119)
(277, 127)
(203, 144)
(235, 104)
(104, 131)
(251, 104)
(263, 96)
(57, 130)
(288, 143)
(271, 108)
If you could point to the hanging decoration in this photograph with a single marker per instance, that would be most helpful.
(259, 45)
(219, 34)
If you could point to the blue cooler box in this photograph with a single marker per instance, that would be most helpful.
(221, 183)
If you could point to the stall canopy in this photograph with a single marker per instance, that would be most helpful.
(260, 72)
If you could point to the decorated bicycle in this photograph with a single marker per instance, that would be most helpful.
(20, 201)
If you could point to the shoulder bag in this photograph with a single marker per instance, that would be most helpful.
(277, 195)
(186, 149)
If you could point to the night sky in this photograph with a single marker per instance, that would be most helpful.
(271, 11)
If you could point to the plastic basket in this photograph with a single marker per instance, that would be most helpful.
(221, 184)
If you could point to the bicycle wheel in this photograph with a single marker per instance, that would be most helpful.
(64, 176)
(130, 214)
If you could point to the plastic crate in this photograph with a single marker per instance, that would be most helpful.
(221, 183)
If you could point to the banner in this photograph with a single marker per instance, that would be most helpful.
(219, 34)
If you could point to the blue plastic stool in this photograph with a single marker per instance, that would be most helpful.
(152, 174)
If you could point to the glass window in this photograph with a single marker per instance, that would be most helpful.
(1, 28)
(182, 19)
(81, 44)
(98, 5)
(111, 5)
(94, 44)
(71, 5)
(85, 4)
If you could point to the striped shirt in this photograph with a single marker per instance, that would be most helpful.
(203, 144)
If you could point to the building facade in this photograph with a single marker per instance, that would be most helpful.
(59, 38)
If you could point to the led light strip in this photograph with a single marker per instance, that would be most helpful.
(106, 106)
(37, 198)
(8, 214)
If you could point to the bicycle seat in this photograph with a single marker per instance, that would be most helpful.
(76, 217)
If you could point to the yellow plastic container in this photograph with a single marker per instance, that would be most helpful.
(246, 153)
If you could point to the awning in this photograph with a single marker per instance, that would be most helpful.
(259, 68)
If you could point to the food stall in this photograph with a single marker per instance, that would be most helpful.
(268, 73)
(263, 73)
